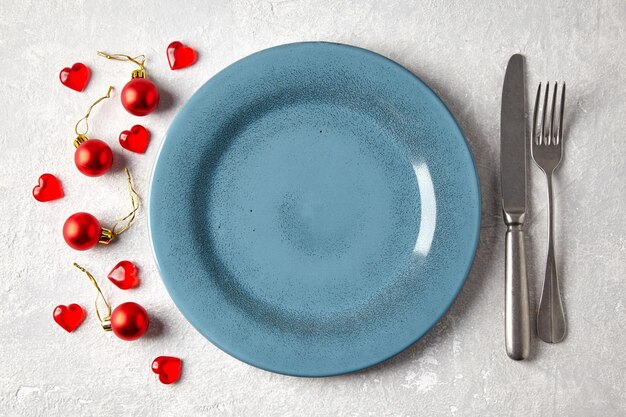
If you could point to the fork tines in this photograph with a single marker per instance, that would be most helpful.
(554, 135)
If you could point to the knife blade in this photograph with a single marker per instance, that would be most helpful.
(513, 184)
(512, 141)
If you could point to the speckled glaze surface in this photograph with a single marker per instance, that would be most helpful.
(314, 209)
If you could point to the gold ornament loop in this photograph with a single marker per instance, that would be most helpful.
(127, 220)
(138, 60)
(105, 320)
(82, 135)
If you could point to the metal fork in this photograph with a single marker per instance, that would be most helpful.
(547, 151)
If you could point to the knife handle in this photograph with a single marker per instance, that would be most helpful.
(516, 314)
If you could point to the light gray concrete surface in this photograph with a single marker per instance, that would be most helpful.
(460, 49)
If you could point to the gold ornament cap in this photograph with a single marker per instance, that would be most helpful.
(106, 236)
(106, 325)
(80, 139)
(139, 73)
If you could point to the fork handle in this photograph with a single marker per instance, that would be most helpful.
(516, 313)
(551, 326)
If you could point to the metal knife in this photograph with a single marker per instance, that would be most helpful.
(513, 182)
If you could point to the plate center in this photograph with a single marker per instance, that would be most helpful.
(310, 214)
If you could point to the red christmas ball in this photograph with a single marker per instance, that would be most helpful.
(82, 231)
(93, 157)
(140, 96)
(129, 321)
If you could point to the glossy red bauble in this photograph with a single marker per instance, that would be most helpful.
(82, 231)
(136, 139)
(168, 368)
(129, 321)
(93, 157)
(180, 56)
(76, 77)
(140, 96)
(69, 317)
(49, 188)
(124, 275)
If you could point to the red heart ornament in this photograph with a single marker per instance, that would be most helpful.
(136, 139)
(180, 56)
(49, 188)
(76, 77)
(124, 275)
(69, 317)
(168, 368)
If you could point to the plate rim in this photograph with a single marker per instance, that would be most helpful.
(454, 291)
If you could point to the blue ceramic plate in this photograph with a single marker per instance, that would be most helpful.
(314, 209)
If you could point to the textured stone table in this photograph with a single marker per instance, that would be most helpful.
(460, 49)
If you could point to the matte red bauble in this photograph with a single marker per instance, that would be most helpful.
(93, 157)
(129, 321)
(82, 231)
(140, 96)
